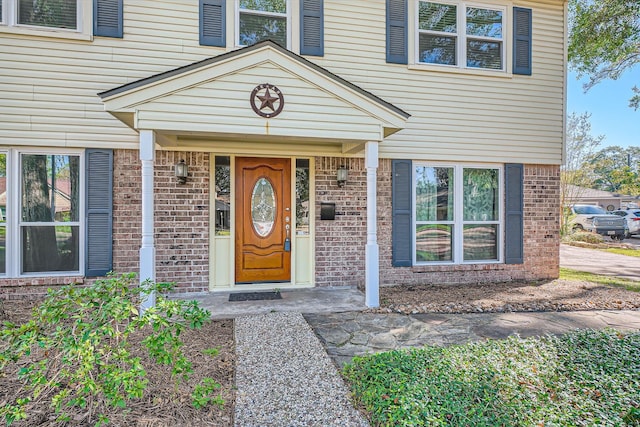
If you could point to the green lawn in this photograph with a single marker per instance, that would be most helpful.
(630, 285)
(620, 251)
(585, 378)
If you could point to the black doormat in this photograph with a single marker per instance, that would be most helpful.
(254, 296)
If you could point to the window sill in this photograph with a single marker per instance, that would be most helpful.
(459, 70)
(45, 32)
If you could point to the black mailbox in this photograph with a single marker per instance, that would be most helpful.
(327, 211)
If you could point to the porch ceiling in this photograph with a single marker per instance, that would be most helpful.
(209, 101)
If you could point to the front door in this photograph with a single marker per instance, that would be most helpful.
(263, 218)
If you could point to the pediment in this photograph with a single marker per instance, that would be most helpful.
(213, 97)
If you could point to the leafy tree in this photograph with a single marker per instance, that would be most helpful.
(616, 169)
(604, 39)
(580, 147)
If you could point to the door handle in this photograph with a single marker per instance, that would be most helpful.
(287, 240)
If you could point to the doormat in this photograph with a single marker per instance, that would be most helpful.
(254, 296)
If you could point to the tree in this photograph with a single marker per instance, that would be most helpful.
(615, 169)
(604, 39)
(580, 147)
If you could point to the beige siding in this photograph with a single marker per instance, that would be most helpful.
(48, 86)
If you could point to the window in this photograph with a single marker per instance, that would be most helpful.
(223, 195)
(55, 14)
(259, 20)
(48, 13)
(71, 19)
(457, 213)
(49, 213)
(302, 196)
(3, 213)
(40, 223)
(460, 35)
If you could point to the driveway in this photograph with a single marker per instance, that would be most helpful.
(600, 262)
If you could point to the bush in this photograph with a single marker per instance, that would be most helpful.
(586, 237)
(75, 352)
(583, 378)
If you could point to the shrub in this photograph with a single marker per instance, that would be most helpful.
(586, 237)
(75, 351)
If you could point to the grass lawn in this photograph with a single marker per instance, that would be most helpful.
(627, 252)
(584, 378)
(630, 285)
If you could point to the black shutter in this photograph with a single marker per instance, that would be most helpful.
(312, 27)
(522, 41)
(401, 205)
(514, 228)
(99, 218)
(107, 18)
(212, 23)
(397, 31)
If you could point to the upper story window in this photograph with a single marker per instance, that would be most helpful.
(461, 35)
(263, 19)
(47, 13)
(51, 18)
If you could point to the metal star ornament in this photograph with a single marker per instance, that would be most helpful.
(270, 98)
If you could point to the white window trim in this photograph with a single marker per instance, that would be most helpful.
(237, 10)
(461, 45)
(458, 222)
(84, 19)
(13, 260)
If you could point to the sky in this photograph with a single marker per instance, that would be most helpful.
(608, 103)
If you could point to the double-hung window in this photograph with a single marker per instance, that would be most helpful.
(55, 14)
(458, 214)
(41, 225)
(259, 20)
(70, 19)
(461, 35)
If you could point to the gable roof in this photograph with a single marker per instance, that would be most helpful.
(210, 99)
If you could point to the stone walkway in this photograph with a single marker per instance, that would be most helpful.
(347, 334)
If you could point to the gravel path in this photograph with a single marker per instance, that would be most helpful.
(285, 378)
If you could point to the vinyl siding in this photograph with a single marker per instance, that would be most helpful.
(48, 86)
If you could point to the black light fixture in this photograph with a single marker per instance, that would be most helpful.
(182, 171)
(341, 175)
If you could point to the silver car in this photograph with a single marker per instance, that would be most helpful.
(633, 219)
(596, 220)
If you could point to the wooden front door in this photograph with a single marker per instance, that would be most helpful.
(263, 218)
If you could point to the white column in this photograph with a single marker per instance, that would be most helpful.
(148, 249)
(372, 254)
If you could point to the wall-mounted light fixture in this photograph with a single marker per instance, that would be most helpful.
(341, 176)
(182, 172)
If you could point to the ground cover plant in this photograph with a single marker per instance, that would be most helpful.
(584, 378)
(630, 285)
(87, 354)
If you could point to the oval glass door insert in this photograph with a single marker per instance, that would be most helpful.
(263, 207)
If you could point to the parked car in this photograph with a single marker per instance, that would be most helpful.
(633, 219)
(597, 220)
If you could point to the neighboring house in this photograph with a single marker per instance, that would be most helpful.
(446, 116)
(605, 199)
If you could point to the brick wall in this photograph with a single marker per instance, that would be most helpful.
(541, 236)
(182, 225)
(340, 244)
(181, 218)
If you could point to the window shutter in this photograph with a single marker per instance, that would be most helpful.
(312, 27)
(397, 31)
(401, 205)
(522, 41)
(514, 233)
(107, 18)
(99, 218)
(212, 23)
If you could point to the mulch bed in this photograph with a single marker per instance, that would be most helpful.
(162, 404)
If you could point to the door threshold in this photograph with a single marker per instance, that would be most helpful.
(273, 287)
